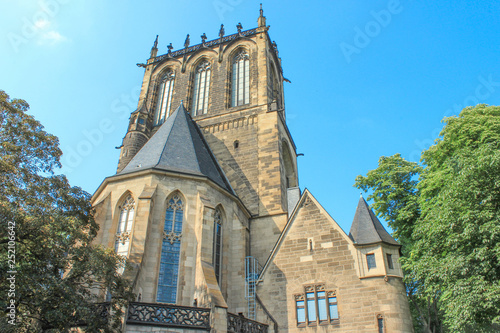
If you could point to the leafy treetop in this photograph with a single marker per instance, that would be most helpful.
(60, 275)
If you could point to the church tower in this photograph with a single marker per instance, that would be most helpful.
(232, 87)
(206, 206)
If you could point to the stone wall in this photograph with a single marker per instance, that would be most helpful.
(316, 252)
(246, 139)
(150, 192)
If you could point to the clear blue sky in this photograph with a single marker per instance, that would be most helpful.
(369, 78)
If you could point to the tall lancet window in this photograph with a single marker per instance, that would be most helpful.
(201, 88)
(124, 226)
(164, 98)
(217, 249)
(170, 251)
(240, 89)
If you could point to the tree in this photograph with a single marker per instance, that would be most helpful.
(453, 261)
(396, 199)
(58, 274)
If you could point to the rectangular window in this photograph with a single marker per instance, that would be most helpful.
(311, 308)
(316, 306)
(301, 312)
(389, 261)
(370, 260)
(332, 306)
(322, 311)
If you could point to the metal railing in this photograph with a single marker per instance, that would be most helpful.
(168, 315)
(240, 324)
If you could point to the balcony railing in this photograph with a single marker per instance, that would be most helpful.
(240, 324)
(168, 315)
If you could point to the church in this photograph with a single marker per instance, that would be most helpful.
(207, 208)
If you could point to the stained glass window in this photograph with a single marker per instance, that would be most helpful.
(124, 229)
(217, 248)
(164, 98)
(170, 251)
(201, 88)
(240, 85)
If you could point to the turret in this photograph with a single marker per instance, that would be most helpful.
(379, 250)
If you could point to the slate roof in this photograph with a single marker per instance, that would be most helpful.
(367, 229)
(179, 146)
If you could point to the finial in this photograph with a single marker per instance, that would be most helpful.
(154, 49)
(186, 42)
(360, 194)
(170, 47)
(221, 31)
(261, 22)
(203, 39)
(275, 47)
(239, 27)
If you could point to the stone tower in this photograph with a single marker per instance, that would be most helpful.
(207, 188)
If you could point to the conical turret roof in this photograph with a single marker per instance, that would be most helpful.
(179, 146)
(366, 227)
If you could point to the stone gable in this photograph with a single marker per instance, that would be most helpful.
(314, 251)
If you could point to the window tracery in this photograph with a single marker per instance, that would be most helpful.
(164, 101)
(240, 83)
(201, 88)
(316, 306)
(170, 251)
(125, 222)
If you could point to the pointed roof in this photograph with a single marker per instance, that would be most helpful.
(179, 146)
(367, 229)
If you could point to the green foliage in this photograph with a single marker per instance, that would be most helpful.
(60, 275)
(452, 265)
(395, 194)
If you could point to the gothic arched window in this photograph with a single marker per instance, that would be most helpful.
(170, 251)
(240, 84)
(164, 98)
(201, 88)
(217, 248)
(124, 226)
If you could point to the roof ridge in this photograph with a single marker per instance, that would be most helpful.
(168, 150)
(169, 132)
(210, 153)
